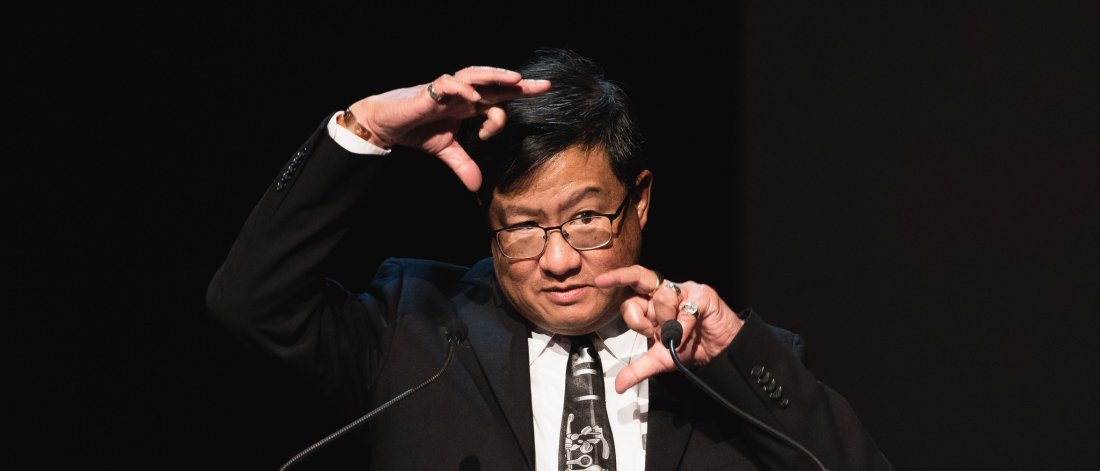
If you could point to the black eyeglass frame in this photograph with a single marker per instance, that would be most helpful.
(546, 230)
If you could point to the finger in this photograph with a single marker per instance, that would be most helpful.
(531, 87)
(494, 94)
(656, 360)
(448, 85)
(495, 117)
(695, 294)
(485, 75)
(634, 314)
(642, 279)
(665, 303)
(462, 165)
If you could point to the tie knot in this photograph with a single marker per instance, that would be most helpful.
(578, 341)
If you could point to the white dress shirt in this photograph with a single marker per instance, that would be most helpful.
(617, 346)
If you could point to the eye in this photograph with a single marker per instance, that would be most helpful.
(585, 217)
(525, 225)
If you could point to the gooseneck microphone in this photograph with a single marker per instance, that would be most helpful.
(672, 332)
(455, 332)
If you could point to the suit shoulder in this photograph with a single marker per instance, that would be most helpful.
(421, 265)
(411, 269)
(433, 274)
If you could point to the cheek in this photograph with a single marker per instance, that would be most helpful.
(626, 249)
(515, 277)
(518, 271)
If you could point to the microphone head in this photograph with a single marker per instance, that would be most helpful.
(456, 330)
(671, 330)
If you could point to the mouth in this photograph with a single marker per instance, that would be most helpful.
(566, 294)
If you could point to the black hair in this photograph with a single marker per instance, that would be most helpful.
(581, 109)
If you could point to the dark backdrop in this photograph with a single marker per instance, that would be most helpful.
(912, 188)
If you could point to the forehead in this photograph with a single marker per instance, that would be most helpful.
(574, 174)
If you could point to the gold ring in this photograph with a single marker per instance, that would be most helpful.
(660, 279)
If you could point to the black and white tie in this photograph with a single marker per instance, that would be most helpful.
(586, 443)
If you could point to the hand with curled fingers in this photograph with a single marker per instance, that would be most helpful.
(427, 116)
(709, 324)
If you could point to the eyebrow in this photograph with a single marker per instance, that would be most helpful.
(515, 210)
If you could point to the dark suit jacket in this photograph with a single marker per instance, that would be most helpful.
(365, 348)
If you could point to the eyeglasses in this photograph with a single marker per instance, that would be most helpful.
(585, 232)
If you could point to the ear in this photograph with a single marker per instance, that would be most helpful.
(643, 187)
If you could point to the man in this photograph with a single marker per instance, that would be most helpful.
(566, 195)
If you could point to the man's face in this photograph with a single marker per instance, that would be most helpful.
(555, 290)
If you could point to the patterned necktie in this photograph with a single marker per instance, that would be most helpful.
(586, 443)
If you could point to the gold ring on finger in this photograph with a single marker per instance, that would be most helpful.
(660, 279)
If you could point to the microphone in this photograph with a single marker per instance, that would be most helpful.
(455, 332)
(671, 333)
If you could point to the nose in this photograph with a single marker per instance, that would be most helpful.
(559, 258)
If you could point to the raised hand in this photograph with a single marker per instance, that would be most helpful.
(426, 117)
(707, 332)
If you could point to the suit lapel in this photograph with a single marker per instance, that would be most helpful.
(670, 425)
(498, 338)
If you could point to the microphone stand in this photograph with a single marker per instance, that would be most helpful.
(672, 335)
(361, 420)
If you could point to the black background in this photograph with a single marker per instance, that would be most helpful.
(911, 188)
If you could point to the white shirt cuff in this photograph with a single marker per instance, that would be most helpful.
(350, 142)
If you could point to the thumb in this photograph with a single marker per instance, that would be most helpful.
(462, 165)
(656, 360)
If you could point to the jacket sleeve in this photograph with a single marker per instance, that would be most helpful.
(763, 373)
(270, 289)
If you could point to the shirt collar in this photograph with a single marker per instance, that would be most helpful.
(542, 340)
(616, 338)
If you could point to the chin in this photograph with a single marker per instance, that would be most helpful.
(574, 320)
